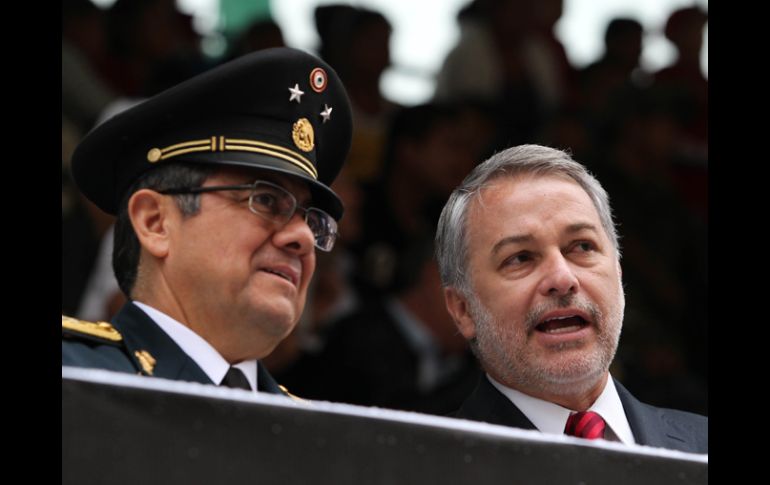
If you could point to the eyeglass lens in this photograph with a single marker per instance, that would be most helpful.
(278, 204)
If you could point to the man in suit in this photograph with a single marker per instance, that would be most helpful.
(530, 264)
(221, 190)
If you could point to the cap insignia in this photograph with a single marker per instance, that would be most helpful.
(296, 93)
(326, 114)
(318, 80)
(302, 134)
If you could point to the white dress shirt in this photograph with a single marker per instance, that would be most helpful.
(552, 418)
(200, 351)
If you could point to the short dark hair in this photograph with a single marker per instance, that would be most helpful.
(126, 247)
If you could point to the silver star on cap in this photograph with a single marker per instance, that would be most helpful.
(326, 114)
(295, 93)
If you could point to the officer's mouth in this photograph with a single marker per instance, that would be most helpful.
(285, 272)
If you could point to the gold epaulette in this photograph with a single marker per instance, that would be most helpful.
(292, 396)
(98, 330)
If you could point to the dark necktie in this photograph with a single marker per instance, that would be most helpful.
(588, 425)
(236, 378)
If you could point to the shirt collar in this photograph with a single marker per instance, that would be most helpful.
(552, 418)
(609, 406)
(198, 349)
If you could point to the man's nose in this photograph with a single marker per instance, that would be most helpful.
(295, 235)
(558, 278)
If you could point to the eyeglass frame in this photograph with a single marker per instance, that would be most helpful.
(252, 187)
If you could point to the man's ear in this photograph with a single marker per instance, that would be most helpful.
(457, 306)
(149, 212)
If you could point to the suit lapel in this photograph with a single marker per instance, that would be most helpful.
(488, 404)
(142, 334)
(649, 424)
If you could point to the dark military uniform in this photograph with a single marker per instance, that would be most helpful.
(281, 110)
(134, 343)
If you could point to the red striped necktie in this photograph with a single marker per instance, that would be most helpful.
(587, 425)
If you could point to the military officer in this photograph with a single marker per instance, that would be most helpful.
(221, 190)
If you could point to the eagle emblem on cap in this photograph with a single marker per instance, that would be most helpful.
(302, 134)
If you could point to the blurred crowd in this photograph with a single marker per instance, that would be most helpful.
(375, 330)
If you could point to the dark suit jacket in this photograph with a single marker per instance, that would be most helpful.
(651, 426)
(141, 333)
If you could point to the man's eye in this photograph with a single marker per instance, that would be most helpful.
(585, 246)
(265, 199)
(517, 259)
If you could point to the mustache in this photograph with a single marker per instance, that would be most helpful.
(535, 315)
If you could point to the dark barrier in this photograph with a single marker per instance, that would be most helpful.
(119, 428)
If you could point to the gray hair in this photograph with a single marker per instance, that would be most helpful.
(126, 247)
(536, 160)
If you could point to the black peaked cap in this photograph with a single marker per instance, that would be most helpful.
(248, 112)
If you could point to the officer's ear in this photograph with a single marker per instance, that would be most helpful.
(150, 214)
(457, 306)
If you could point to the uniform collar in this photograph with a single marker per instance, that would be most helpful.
(198, 349)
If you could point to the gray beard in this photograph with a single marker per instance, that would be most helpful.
(490, 347)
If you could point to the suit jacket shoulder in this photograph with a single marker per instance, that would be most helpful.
(662, 427)
(651, 426)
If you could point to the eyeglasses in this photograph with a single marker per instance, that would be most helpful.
(276, 204)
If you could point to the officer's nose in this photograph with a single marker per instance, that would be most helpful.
(295, 236)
